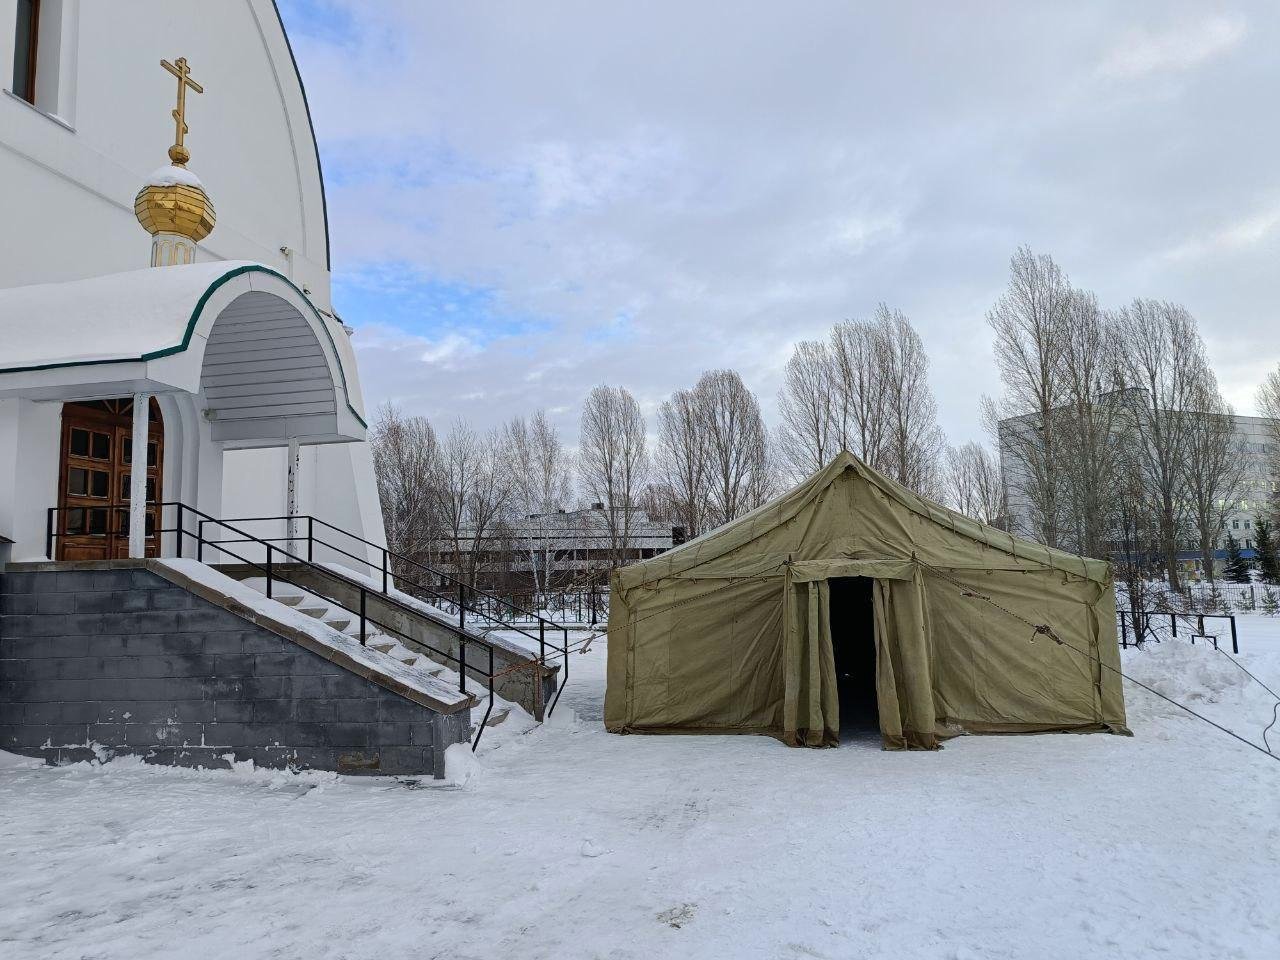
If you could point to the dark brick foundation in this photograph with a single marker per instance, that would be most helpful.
(124, 661)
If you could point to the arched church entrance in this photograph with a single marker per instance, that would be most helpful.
(97, 464)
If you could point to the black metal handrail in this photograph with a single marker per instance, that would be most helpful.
(272, 570)
(1144, 623)
(464, 591)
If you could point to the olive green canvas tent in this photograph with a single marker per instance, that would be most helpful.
(740, 631)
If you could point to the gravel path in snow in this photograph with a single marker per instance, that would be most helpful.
(563, 842)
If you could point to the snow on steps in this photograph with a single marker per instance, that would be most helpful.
(345, 622)
(310, 618)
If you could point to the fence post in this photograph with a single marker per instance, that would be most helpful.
(1173, 619)
(1253, 598)
(1235, 646)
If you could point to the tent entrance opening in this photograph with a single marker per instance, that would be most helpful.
(853, 640)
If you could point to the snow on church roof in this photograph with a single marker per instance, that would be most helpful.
(120, 316)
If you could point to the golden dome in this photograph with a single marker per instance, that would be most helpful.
(174, 201)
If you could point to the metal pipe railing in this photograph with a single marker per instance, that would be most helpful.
(272, 572)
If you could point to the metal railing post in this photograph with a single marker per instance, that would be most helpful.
(363, 595)
(462, 664)
(48, 532)
(462, 606)
(542, 641)
(1173, 620)
(200, 541)
(1124, 630)
(178, 544)
(384, 571)
(269, 571)
(311, 538)
(1235, 645)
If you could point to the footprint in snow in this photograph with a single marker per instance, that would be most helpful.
(678, 915)
(591, 849)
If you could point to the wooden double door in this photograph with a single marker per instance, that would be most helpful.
(94, 480)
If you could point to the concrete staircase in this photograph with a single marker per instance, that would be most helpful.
(344, 621)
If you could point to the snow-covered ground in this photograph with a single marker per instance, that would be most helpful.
(561, 841)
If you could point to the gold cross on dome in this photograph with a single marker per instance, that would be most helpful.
(178, 153)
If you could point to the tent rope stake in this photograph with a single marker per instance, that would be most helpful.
(1044, 628)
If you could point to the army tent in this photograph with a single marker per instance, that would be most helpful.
(850, 579)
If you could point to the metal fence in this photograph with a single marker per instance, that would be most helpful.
(586, 607)
(1212, 598)
(1139, 626)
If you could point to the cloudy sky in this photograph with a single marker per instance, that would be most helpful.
(527, 199)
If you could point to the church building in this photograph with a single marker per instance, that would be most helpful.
(183, 298)
(193, 566)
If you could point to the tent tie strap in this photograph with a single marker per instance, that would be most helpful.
(1043, 629)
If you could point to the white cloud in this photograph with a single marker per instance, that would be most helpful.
(1176, 48)
(670, 187)
(1249, 231)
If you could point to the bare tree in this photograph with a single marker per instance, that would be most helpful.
(1215, 466)
(1089, 427)
(738, 464)
(474, 485)
(860, 419)
(1028, 322)
(683, 459)
(1268, 399)
(613, 460)
(406, 462)
(1135, 533)
(807, 435)
(913, 443)
(1165, 358)
(975, 485)
(539, 474)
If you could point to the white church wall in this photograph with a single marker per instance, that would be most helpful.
(8, 472)
(336, 485)
(30, 435)
(249, 137)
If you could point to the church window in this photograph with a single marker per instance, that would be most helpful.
(26, 40)
(152, 452)
(149, 527)
(88, 483)
(126, 481)
(97, 521)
